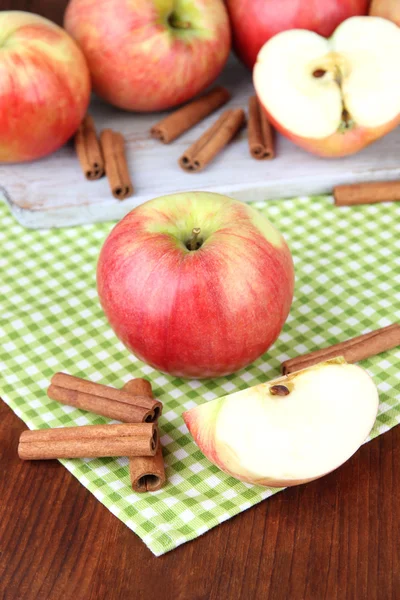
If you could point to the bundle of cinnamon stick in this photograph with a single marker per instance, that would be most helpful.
(206, 148)
(261, 136)
(106, 155)
(219, 134)
(137, 438)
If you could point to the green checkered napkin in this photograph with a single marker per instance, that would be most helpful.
(348, 282)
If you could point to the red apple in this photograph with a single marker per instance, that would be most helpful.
(388, 9)
(45, 86)
(254, 22)
(148, 55)
(200, 312)
(332, 96)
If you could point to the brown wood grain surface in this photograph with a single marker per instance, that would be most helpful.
(332, 539)
(52, 9)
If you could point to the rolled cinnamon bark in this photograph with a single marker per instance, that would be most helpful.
(202, 152)
(147, 472)
(88, 149)
(366, 193)
(110, 402)
(186, 160)
(261, 139)
(112, 409)
(184, 118)
(127, 439)
(353, 350)
(139, 387)
(113, 147)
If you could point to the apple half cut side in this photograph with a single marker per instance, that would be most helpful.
(332, 96)
(290, 430)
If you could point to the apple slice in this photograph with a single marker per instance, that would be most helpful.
(332, 96)
(290, 430)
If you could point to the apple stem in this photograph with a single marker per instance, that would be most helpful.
(194, 242)
(177, 24)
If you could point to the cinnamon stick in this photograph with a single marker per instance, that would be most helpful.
(353, 350)
(127, 439)
(88, 149)
(139, 387)
(170, 128)
(186, 160)
(366, 193)
(202, 152)
(124, 405)
(147, 472)
(117, 172)
(261, 139)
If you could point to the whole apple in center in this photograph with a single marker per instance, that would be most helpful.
(196, 284)
(148, 55)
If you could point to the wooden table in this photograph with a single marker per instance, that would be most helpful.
(337, 538)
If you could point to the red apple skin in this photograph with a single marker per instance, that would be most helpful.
(198, 314)
(387, 9)
(254, 22)
(45, 86)
(136, 62)
(338, 144)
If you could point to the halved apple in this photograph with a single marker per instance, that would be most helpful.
(332, 96)
(291, 430)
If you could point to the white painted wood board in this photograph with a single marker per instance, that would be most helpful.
(52, 192)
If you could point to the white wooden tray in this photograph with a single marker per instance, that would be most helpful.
(53, 192)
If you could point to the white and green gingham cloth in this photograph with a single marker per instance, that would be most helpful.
(347, 263)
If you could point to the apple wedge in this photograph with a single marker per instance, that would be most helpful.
(290, 430)
(332, 96)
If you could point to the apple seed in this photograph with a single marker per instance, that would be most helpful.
(279, 390)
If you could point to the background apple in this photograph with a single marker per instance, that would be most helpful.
(332, 96)
(149, 55)
(387, 9)
(203, 312)
(290, 430)
(45, 86)
(254, 22)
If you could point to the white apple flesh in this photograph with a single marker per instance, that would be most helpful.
(290, 430)
(332, 96)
